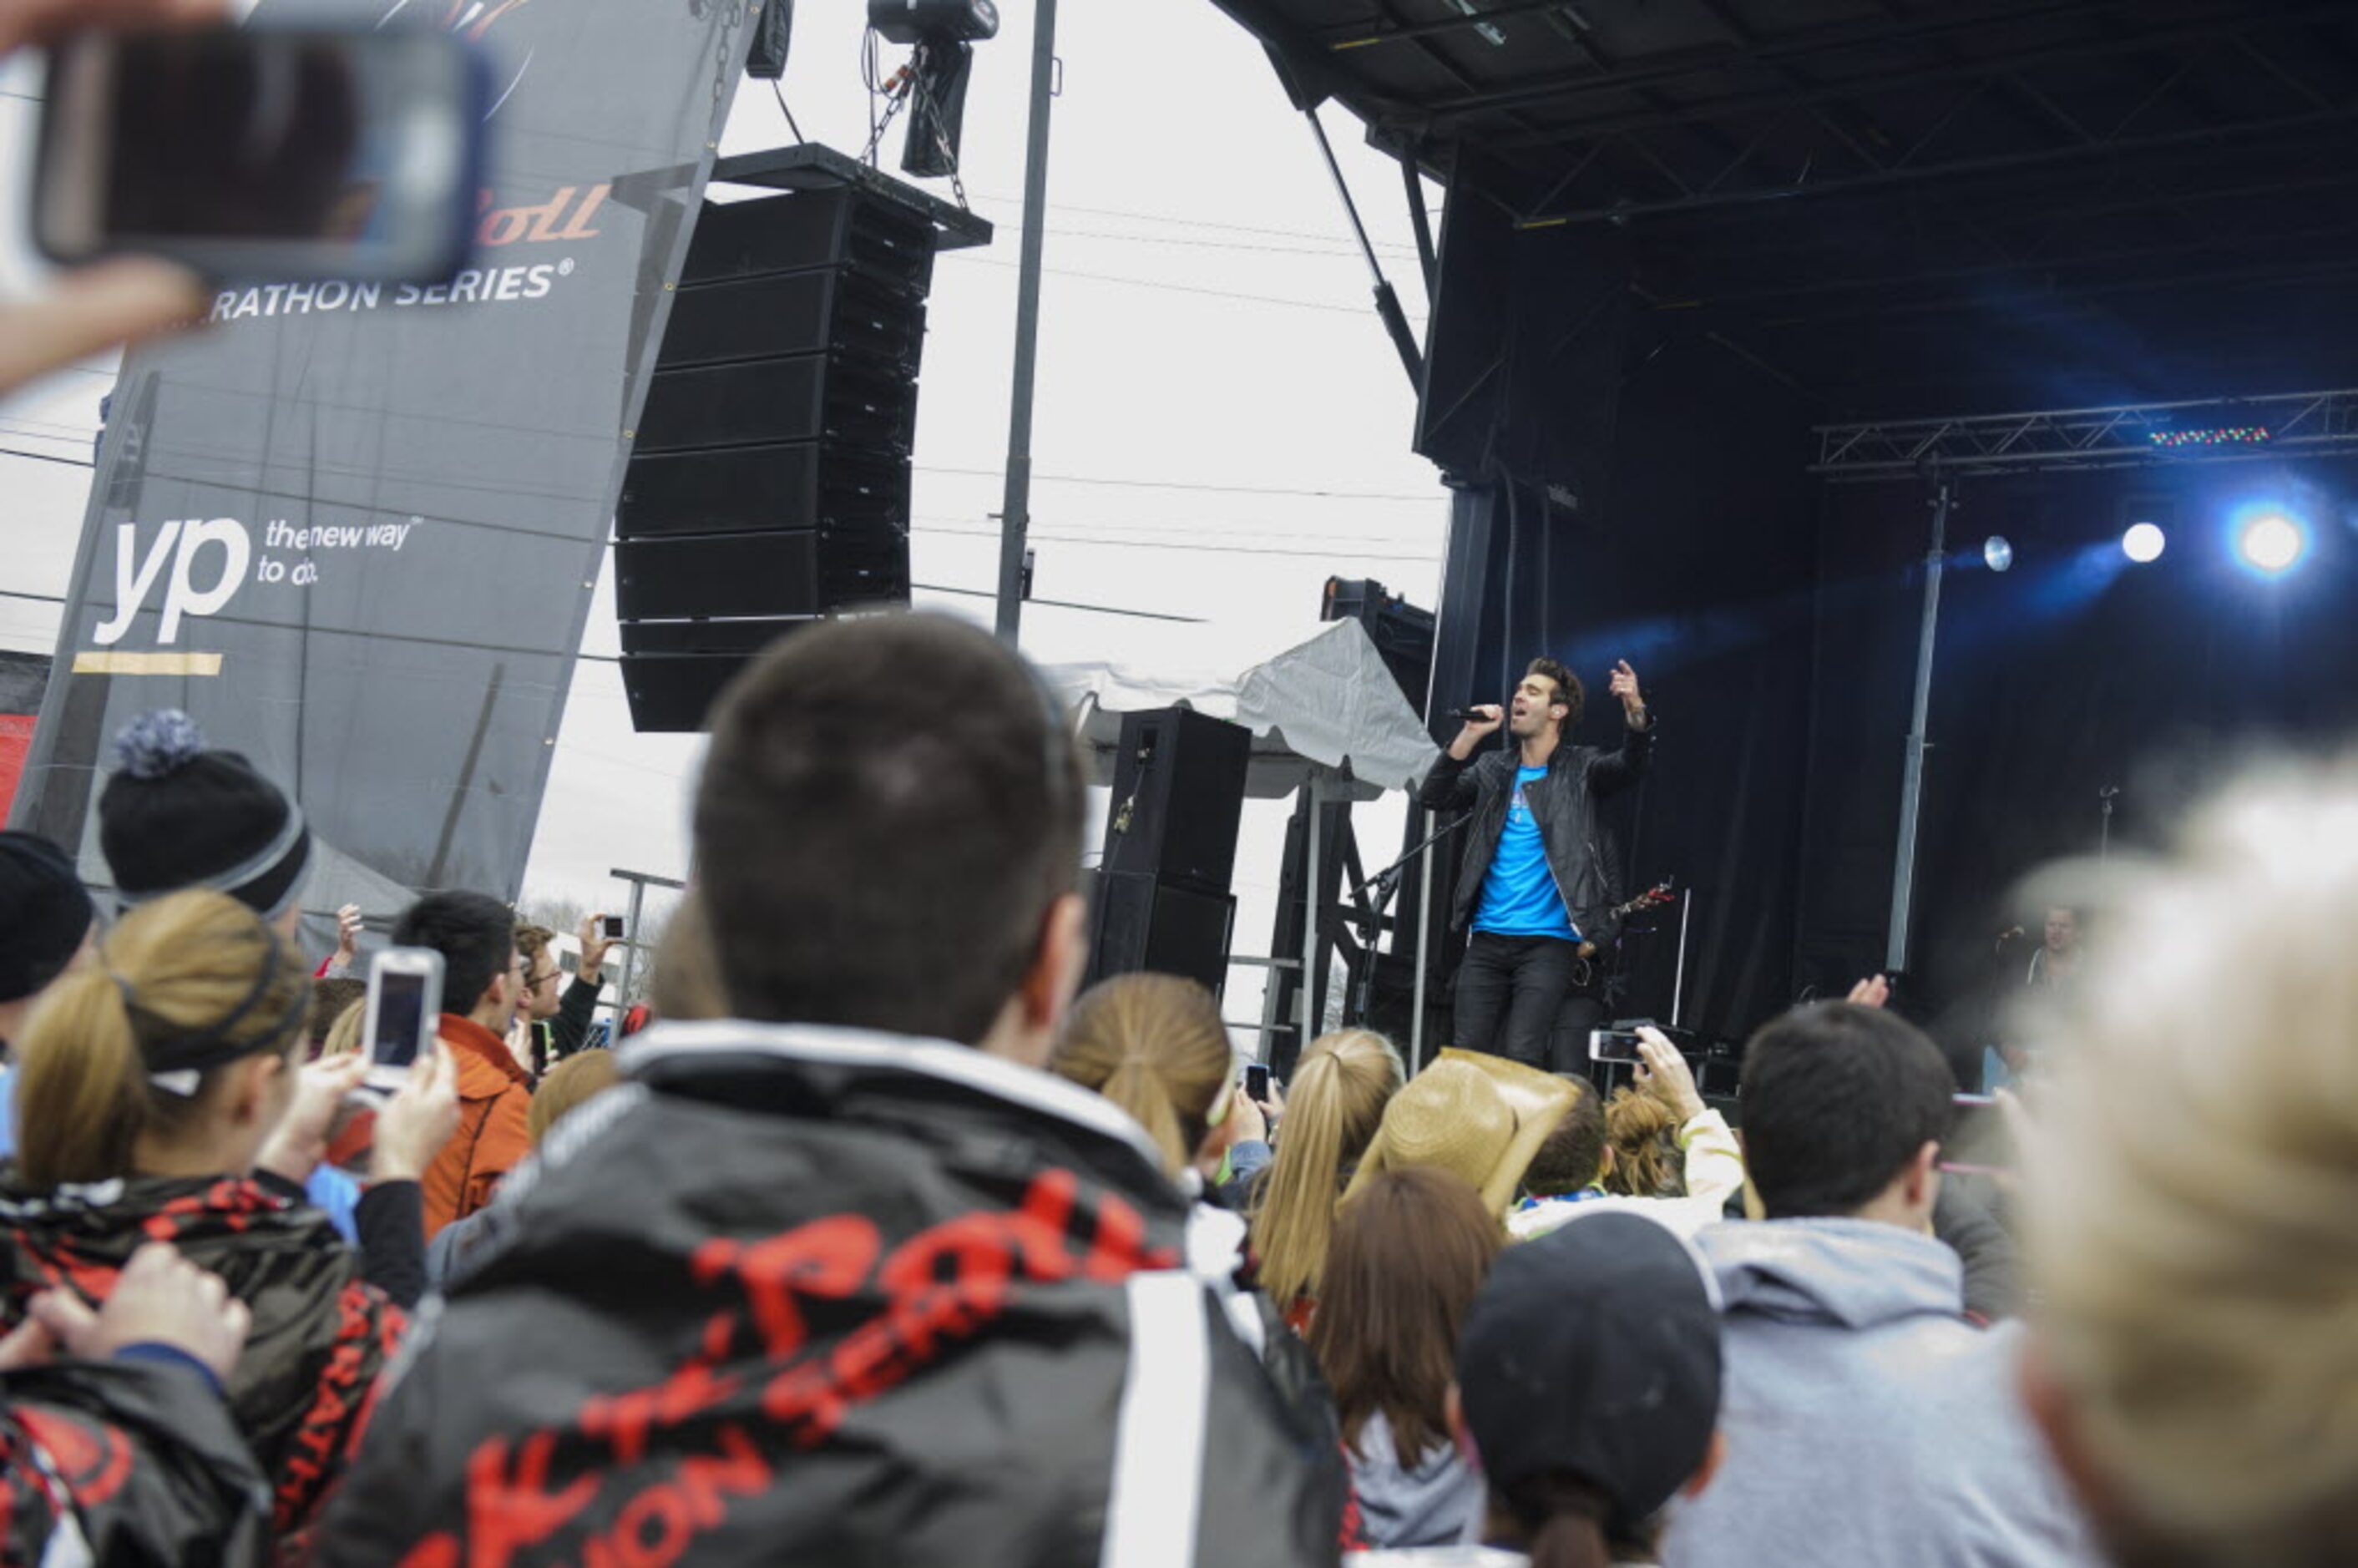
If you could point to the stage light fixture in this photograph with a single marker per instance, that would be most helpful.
(942, 33)
(1996, 554)
(2144, 543)
(2271, 544)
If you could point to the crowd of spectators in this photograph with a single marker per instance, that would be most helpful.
(883, 1247)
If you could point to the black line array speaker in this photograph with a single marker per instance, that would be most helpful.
(1137, 923)
(769, 477)
(1162, 898)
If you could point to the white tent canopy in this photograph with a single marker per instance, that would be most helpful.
(1321, 703)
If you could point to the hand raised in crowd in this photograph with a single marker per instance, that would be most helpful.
(1871, 992)
(1664, 1074)
(592, 936)
(1624, 685)
(348, 938)
(1251, 1125)
(299, 1142)
(414, 1125)
(160, 1298)
(114, 302)
(1273, 1109)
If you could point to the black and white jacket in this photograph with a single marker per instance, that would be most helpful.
(806, 1295)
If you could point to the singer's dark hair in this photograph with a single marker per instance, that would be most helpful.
(896, 877)
(1568, 691)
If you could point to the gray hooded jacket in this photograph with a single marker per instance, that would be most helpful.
(1866, 1421)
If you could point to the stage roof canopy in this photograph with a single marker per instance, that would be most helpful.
(1839, 186)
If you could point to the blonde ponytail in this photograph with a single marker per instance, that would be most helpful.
(1339, 1092)
(192, 984)
(80, 1100)
(1154, 1045)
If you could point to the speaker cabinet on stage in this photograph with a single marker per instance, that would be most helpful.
(768, 484)
(1140, 923)
(1178, 798)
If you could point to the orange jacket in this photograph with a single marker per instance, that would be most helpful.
(494, 1097)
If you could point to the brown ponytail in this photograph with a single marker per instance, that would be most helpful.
(1340, 1089)
(1154, 1045)
(1566, 1522)
(197, 970)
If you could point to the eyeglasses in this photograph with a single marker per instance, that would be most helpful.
(534, 982)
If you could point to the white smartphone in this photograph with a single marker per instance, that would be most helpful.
(265, 154)
(1613, 1045)
(405, 1008)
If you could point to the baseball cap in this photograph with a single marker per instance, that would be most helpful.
(1593, 1351)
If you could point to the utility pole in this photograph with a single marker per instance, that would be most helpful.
(1016, 522)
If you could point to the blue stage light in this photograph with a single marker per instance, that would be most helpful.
(2270, 543)
(2144, 543)
(1996, 554)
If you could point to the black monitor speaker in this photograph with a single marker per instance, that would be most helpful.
(1140, 924)
(1178, 798)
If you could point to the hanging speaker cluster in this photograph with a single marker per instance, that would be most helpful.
(769, 482)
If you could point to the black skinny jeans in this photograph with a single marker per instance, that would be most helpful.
(1525, 980)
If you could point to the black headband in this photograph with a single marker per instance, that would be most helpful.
(171, 1051)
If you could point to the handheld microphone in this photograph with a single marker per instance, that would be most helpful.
(1468, 714)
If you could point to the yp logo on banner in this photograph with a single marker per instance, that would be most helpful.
(184, 544)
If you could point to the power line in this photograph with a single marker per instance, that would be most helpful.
(1263, 532)
(970, 259)
(1066, 604)
(1343, 551)
(47, 457)
(1192, 484)
(1181, 219)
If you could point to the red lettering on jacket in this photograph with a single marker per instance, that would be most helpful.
(510, 1508)
(92, 1460)
(827, 1258)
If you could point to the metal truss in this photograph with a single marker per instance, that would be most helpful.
(2239, 430)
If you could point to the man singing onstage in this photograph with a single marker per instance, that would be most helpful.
(1535, 884)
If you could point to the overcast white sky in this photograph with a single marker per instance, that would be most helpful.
(1207, 344)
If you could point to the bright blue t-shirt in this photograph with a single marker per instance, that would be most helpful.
(1519, 893)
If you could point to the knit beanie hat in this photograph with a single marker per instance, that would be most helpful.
(43, 914)
(176, 816)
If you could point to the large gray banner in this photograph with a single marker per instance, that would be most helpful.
(353, 529)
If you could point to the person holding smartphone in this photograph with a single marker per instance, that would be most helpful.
(1535, 890)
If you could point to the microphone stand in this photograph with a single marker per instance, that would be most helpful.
(2104, 832)
(1383, 886)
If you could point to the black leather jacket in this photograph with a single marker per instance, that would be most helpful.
(1563, 803)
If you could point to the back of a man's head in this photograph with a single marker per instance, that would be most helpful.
(1574, 1155)
(474, 933)
(890, 808)
(1837, 1101)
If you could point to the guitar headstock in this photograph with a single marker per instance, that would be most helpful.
(1662, 892)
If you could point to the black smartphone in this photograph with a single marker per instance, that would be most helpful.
(404, 1006)
(1257, 1083)
(1613, 1045)
(265, 154)
(613, 928)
